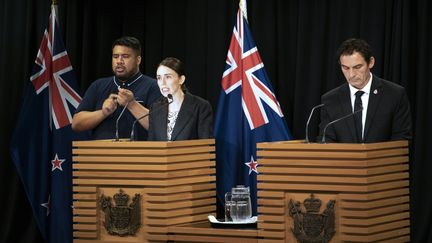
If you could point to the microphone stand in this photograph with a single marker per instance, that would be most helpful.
(308, 121)
(170, 100)
(117, 122)
(334, 121)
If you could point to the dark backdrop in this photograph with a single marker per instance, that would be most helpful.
(297, 40)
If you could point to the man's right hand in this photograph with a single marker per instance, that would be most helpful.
(109, 105)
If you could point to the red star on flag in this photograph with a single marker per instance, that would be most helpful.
(252, 166)
(47, 205)
(56, 163)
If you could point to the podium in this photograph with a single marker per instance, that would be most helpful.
(347, 192)
(162, 183)
(335, 192)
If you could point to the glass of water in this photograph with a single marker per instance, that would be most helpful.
(243, 211)
(230, 205)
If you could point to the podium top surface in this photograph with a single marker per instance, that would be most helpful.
(301, 145)
(123, 143)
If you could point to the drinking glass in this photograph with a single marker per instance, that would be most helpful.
(243, 211)
(243, 208)
(229, 207)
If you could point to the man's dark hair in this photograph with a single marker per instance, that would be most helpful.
(130, 42)
(350, 46)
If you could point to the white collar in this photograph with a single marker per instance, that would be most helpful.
(127, 84)
(365, 89)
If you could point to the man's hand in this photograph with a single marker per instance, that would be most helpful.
(110, 105)
(125, 96)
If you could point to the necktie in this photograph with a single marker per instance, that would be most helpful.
(358, 117)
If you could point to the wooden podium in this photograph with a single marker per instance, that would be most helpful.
(369, 184)
(174, 181)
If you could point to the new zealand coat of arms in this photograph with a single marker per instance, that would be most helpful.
(121, 219)
(309, 225)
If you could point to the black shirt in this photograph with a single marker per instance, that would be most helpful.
(145, 89)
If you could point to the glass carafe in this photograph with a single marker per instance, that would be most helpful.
(240, 195)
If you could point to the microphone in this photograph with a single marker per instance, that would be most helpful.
(167, 101)
(117, 122)
(308, 121)
(339, 119)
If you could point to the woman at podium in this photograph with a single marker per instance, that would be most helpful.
(182, 115)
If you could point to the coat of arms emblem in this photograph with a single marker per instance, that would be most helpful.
(309, 225)
(121, 219)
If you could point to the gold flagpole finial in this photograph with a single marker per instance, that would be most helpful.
(243, 8)
(54, 2)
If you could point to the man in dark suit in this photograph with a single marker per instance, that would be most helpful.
(382, 110)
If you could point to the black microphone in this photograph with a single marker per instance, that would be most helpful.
(334, 121)
(167, 101)
(308, 121)
(117, 122)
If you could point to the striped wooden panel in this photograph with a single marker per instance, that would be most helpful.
(181, 196)
(182, 188)
(78, 234)
(374, 195)
(141, 145)
(176, 181)
(141, 159)
(333, 154)
(391, 236)
(203, 232)
(334, 179)
(142, 167)
(139, 151)
(139, 175)
(328, 172)
(180, 204)
(332, 187)
(330, 163)
(90, 212)
(299, 145)
(377, 220)
(355, 213)
(374, 203)
(80, 219)
(376, 228)
(370, 182)
(129, 182)
(84, 210)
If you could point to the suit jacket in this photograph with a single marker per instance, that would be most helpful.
(388, 114)
(194, 121)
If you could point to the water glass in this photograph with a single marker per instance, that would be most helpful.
(243, 207)
(229, 206)
(243, 211)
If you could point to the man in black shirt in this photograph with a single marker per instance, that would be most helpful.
(106, 97)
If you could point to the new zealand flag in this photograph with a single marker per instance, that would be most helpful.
(41, 144)
(247, 113)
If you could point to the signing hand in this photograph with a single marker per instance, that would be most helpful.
(110, 105)
(125, 96)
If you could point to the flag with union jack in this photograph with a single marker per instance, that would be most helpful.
(41, 143)
(247, 113)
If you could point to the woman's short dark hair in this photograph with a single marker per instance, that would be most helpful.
(176, 65)
(350, 46)
(130, 42)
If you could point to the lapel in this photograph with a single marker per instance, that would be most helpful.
(374, 100)
(185, 114)
(346, 108)
(161, 119)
